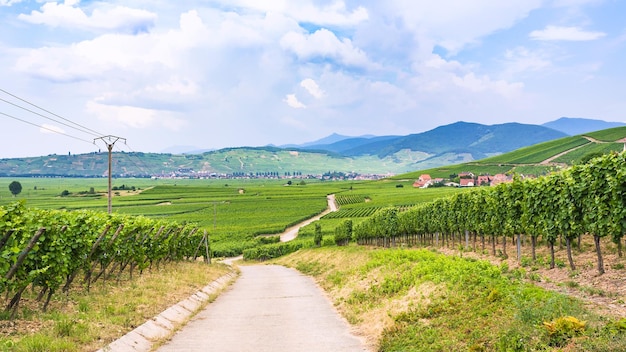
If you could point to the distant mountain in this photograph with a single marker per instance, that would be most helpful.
(329, 140)
(574, 126)
(444, 145)
(184, 149)
(347, 144)
(459, 138)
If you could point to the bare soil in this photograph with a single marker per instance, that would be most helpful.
(605, 294)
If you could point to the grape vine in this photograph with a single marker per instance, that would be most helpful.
(48, 249)
(584, 200)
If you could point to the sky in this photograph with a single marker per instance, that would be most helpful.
(207, 74)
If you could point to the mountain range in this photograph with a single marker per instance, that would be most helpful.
(576, 125)
(450, 144)
(481, 138)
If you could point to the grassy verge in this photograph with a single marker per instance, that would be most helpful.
(420, 300)
(84, 321)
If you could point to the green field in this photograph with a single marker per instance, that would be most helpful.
(234, 212)
(537, 153)
(445, 172)
(609, 135)
(575, 156)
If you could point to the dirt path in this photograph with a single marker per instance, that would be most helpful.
(269, 308)
(551, 159)
(292, 232)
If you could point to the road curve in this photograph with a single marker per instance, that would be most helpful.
(269, 308)
(292, 232)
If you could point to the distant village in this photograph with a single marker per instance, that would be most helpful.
(464, 179)
(327, 176)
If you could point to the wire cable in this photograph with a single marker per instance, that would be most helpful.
(84, 129)
(145, 168)
(49, 118)
(45, 128)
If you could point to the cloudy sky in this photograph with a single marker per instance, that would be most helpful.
(226, 73)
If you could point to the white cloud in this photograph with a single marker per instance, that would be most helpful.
(312, 87)
(133, 117)
(9, 2)
(176, 86)
(453, 24)
(293, 101)
(109, 56)
(324, 44)
(476, 84)
(565, 33)
(388, 67)
(334, 14)
(126, 115)
(109, 18)
(48, 129)
(522, 60)
(574, 3)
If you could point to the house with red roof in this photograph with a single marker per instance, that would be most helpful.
(423, 181)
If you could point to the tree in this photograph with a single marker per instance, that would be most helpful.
(15, 188)
(317, 239)
(343, 233)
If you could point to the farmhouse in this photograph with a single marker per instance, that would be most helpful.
(501, 178)
(466, 182)
(423, 181)
(483, 180)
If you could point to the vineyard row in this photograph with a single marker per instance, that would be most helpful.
(48, 249)
(584, 200)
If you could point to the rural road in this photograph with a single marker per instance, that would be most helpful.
(292, 232)
(269, 308)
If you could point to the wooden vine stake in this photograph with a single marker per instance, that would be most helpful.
(207, 258)
(20, 259)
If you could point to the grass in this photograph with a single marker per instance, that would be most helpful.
(609, 135)
(233, 212)
(419, 300)
(575, 156)
(537, 153)
(84, 321)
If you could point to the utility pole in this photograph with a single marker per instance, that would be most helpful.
(110, 142)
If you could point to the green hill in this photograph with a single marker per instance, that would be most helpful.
(445, 145)
(537, 159)
(461, 138)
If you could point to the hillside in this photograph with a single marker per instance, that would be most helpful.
(575, 126)
(538, 159)
(459, 138)
(231, 161)
(451, 144)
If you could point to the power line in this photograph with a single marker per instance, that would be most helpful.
(49, 118)
(44, 127)
(91, 131)
(130, 159)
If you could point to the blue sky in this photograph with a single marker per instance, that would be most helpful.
(216, 73)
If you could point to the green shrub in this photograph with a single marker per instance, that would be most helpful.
(561, 330)
(318, 235)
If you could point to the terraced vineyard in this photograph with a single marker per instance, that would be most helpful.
(538, 153)
(532, 160)
(353, 213)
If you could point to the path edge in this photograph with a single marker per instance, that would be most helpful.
(162, 326)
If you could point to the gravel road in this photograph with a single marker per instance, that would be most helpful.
(269, 308)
